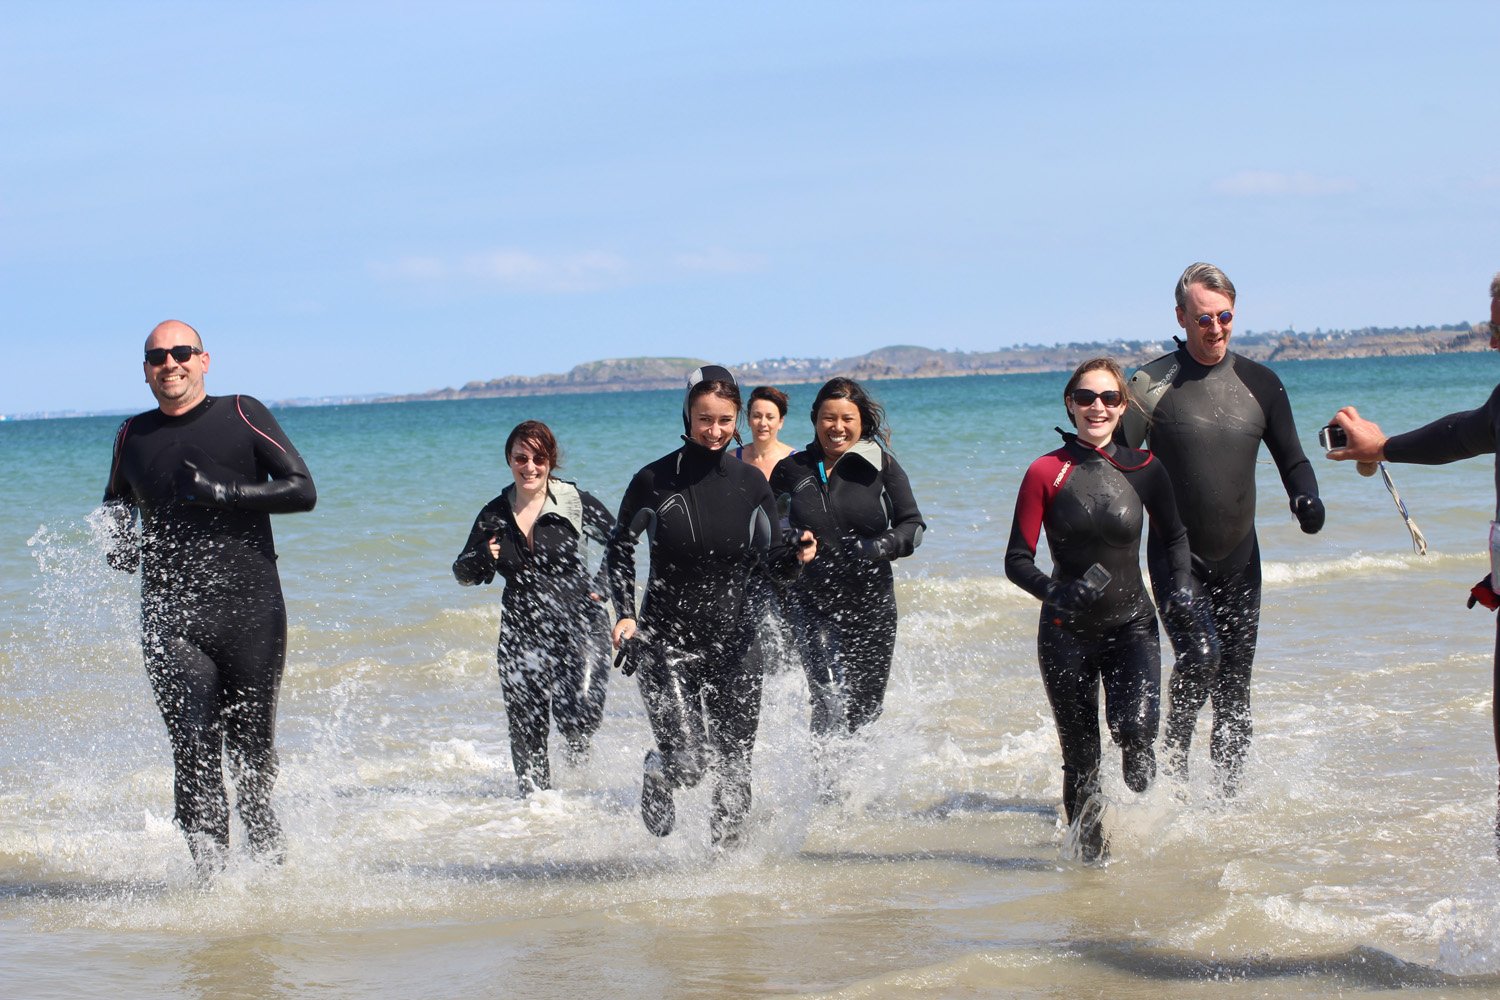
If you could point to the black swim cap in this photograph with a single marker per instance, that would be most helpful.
(708, 373)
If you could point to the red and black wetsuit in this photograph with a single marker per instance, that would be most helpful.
(711, 523)
(1206, 427)
(553, 649)
(213, 622)
(843, 607)
(1092, 504)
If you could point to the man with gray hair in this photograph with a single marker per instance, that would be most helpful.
(1447, 439)
(1205, 411)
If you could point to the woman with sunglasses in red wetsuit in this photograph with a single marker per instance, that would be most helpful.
(1097, 622)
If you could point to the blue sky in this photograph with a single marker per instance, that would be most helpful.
(349, 198)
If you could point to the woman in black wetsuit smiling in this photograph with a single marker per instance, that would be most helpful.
(855, 497)
(711, 523)
(553, 647)
(1097, 622)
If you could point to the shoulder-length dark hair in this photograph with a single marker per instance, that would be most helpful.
(872, 419)
(540, 437)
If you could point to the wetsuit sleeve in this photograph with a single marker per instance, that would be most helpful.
(1155, 489)
(1297, 474)
(1133, 426)
(619, 556)
(1448, 439)
(475, 564)
(781, 556)
(905, 532)
(598, 524)
(290, 487)
(1026, 530)
(123, 546)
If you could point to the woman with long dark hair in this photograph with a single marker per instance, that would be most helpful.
(849, 491)
(1098, 624)
(554, 647)
(710, 523)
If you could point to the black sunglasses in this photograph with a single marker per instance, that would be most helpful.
(1207, 319)
(157, 356)
(1086, 397)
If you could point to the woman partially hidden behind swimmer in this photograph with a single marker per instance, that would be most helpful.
(765, 416)
(554, 632)
(853, 495)
(766, 601)
(1097, 622)
(710, 523)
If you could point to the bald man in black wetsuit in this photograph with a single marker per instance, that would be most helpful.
(1209, 411)
(203, 474)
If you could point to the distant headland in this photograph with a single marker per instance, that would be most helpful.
(624, 374)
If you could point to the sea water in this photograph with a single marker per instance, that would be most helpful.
(1358, 857)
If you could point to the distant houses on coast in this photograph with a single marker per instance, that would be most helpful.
(904, 361)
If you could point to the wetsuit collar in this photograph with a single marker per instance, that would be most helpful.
(699, 455)
(197, 410)
(1192, 366)
(1108, 452)
(864, 448)
(562, 499)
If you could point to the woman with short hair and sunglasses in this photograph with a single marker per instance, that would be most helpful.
(553, 649)
(1097, 621)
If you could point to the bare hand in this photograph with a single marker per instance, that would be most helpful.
(1366, 442)
(807, 547)
(495, 547)
(624, 629)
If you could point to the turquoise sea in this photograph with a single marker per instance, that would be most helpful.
(1358, 858)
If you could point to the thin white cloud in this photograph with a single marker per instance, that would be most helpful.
(720, 261)
(527, 272)
(516, 270)
(1277, 184)
(411, 269)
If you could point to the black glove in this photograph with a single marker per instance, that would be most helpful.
(624, 661)
(195, 487)
(1309, 512)
(124, 555)
(1177, 609)
(1066, 600)
(1483, 592)
(874, 549)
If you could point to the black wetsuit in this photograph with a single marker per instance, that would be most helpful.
(1092, 504)
(711, 523)
(1207, 425)
(766, 606)
(843, 608)
(554, 638)
(213, 622)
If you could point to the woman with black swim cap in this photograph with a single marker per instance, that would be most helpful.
(710, 523)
